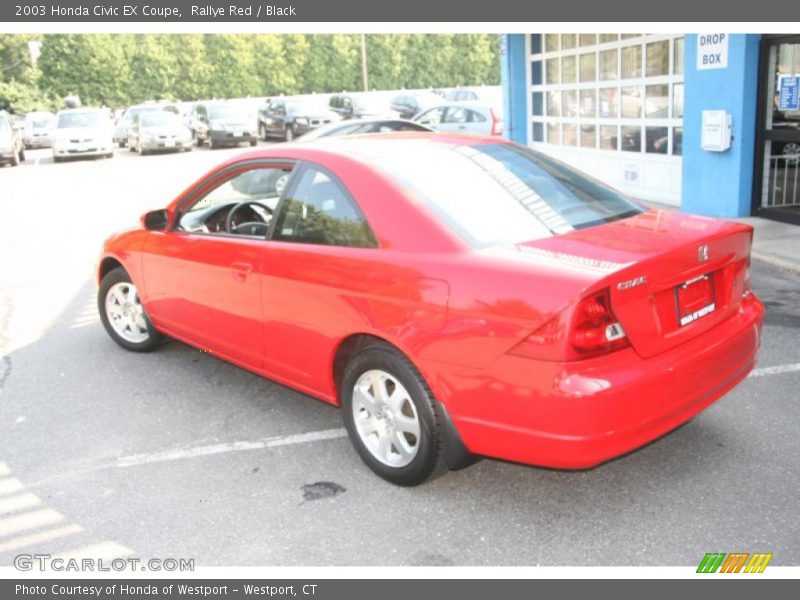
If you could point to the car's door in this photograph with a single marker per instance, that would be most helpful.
(431, 117)
(455, 119)
(277, 117)
(319, 266)
(202, 280)
(133, 133)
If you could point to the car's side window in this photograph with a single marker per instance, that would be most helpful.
(456, 115)
(432, 117)
(475, 117)
(318, 210)
(241, 204)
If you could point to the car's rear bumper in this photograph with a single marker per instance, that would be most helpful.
(229, 138)
(166, 145)
(92, 149)
(578, 415)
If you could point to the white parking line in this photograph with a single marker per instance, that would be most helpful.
(302, 438)
(777, 370)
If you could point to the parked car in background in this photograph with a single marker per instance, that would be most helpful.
(487, 94)
(121, 130)
(12, 148)
(359, 126)
(455, 295)
(462, 117)
(289, 117)
(362, 105)
(410, 104)
(83, 132)
(38, 130)
(222, 123)
(158, 131)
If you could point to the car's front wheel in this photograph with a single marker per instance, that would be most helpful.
(123, 314)
(391, 416)
(289, 133)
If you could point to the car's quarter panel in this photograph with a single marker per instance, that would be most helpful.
(207, 290)
(578, 414)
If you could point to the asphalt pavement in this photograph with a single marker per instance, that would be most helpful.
(177, 454)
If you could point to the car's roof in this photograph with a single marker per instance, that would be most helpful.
(370, 146)
(83, 109)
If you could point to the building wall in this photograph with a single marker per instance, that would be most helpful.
(721, 183)
(614, 106)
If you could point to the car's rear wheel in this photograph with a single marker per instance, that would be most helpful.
(253, 142)
(123, 314)
(391, 416)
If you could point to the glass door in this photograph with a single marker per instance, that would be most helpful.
(777, 191)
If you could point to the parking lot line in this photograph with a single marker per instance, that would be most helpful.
(777, 370)
(272, 442)
(29, 520)
(10, 504)
(47, 535)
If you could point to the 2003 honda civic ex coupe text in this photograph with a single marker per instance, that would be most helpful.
(457, 296)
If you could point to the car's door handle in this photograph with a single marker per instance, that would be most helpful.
(241, 271)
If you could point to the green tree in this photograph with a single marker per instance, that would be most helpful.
(96, 67)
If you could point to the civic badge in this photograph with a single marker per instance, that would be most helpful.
(702, 253)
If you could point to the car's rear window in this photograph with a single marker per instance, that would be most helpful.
(494, 194)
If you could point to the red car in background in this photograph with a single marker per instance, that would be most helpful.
(457, 296)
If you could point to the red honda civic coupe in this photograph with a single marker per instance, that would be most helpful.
(456, 296)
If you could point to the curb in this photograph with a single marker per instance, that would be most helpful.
(776, 261)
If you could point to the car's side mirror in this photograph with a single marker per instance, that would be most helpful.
(156, 220)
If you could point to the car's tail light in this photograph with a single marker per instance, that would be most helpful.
(595, 328)
(588, 329)
(497, 123)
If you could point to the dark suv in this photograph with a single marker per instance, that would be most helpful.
(410, 104)
(362, 105)
(221, 124)
(287, 118)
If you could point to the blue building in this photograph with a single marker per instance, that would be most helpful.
(709, 123)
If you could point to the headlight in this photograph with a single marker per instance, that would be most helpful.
(301, 120)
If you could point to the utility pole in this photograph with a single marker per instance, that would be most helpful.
(364, 77)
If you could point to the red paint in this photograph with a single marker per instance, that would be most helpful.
(492, 331)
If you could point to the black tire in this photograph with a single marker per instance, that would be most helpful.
(429, 459)
(212, 144)
(22, 155)
(121, 143)
(289, 134)
(154, 338)
(57, 159)
(262, 131)
(197, 141)
(253, 142)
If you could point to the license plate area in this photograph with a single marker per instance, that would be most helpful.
(694, 299)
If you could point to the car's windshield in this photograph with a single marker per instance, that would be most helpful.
(371, 103)
(308, 106)
(226, 112)
(159, 119)
(81, 119)
(40, 121)
(137, 110)
(502, 193)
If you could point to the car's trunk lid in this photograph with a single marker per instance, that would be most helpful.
(677, 275)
